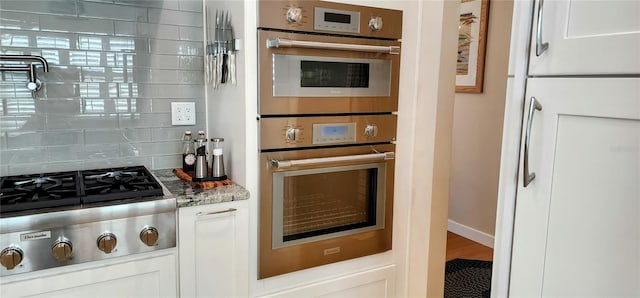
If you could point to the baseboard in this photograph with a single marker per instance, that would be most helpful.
(470, 233)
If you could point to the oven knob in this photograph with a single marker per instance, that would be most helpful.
(10, 257)
(291, 134)
(62, 249)
(149, 236)
(371, 130)
(375, 23)
(107, 242)
(294, 15)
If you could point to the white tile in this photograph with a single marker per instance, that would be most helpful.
(60, 90)
(170, 161)
(174, 17)
(17, 38)
(191, 33)
(150, 148)
(57, 7)
(141, 60)
(17, 20)
(191, 5)
(44, 167)
(76, 25)
(191, 62)
(172, 134)
(138, 120)
(166, 4)
(158, 31)
(117, 136)
(61, 74)
(82, 121)
(55, 40)
(172, 47)
(170, 91)
(111, 11)
(98, 163)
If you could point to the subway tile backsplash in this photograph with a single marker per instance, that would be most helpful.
(115, 67)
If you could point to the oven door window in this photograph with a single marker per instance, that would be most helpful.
(316, 204)
(314, 76)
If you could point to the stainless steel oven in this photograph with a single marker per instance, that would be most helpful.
(302, 73)
(328, 93)
(328, 203)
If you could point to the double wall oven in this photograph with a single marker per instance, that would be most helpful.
(328, 96)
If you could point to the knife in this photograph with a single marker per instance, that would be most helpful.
(225, 40)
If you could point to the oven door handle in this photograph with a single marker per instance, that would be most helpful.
(288, 43)
(282, 164)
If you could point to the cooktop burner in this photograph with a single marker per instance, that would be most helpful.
(118, 183)
(39, 191)
(36, 191)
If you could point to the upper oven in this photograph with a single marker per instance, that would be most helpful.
(333, 62)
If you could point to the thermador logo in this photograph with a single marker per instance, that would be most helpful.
(35, 236)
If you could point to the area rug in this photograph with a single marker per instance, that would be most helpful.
(467, 278)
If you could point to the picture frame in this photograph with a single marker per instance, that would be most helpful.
(472, 42)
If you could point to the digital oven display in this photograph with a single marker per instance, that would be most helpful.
(334, 130)
(337, 18)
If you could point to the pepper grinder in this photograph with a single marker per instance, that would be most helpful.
(217, 160)
(201, 170)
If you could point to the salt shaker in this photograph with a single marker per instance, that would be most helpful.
(217, 161)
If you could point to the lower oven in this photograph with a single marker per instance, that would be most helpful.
(326, 190)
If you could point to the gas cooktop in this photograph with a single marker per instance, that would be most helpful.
(76, 188)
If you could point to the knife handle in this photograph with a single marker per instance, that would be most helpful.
(225, 69)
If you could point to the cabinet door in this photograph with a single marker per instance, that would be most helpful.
(577, 224)
(379, 282)
(149, 277)
(586, 37)
(214, 250)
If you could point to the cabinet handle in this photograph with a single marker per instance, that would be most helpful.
(216, 212)
(540, 46)
(527, 177)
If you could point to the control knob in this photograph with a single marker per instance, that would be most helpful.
(375, 23)
(149, 236)
(10, 257)
(294, 15)
(107, 242)
(291, 135)
(371, 130)
(62, 249)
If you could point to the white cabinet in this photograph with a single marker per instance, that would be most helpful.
(150, 275)
(213, 248)
(577, 224)
(379, 282)
(586, 37)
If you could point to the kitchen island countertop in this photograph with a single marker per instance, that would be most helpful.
(187, 195)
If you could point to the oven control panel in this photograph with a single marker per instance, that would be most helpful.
(334, 133)
(322, 131)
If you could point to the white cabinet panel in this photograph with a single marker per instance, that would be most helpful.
(586, 37)
(148, 277)
(577, 225)
(374, 283)
(213, 244)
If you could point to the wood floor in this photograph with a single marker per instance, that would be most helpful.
(463, 248)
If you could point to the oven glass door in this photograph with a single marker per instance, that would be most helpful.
(315, 76)
(316, 204)
(326, 74)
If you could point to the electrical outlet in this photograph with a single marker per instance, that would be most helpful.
(183, 113)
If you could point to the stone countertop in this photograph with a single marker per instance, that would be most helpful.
(187, 195)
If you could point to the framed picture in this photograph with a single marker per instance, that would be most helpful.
(472, 41)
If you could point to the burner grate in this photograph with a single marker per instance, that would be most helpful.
(48, 190)
(118, 183)
(37, 191)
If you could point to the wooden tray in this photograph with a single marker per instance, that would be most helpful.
(186, 177)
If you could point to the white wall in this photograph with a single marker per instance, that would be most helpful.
(477, 136)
